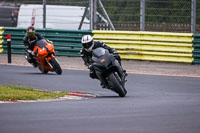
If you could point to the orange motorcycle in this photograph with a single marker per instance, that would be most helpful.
(45, 57)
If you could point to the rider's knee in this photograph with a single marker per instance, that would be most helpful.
(93, 75)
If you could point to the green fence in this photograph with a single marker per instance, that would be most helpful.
(156, 46)
(196, 51)
(66, 42)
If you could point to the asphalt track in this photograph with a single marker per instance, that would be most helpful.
(154, 104)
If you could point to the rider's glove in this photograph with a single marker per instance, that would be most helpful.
(32, 42)
(115, 53)
(49, 41)
(31, 52)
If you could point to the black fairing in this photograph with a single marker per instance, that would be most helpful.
(107, 65)
(109, 71)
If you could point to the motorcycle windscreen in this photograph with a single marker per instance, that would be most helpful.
(41, 43)
(44, 45)
(101, 58)
(41, 47)
(98, 52)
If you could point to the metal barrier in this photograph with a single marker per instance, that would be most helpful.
(1, 39)
(139, 45)
(196, 51)
(66, 42)
(155, 46)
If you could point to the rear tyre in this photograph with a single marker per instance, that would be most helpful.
(117, 84)
(56, 66)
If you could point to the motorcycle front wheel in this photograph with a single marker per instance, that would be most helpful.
(56, 66)
(117, 84)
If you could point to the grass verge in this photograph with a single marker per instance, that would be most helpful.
(13, 93)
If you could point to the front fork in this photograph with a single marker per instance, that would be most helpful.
(120, 72)
(48, 58)
(119, 69)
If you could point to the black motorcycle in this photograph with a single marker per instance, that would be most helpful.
(109, 71)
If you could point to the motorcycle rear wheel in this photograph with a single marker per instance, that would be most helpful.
(117, 85)
(56, 66)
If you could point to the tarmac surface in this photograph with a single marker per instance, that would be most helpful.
(153, 104)
(131, 66)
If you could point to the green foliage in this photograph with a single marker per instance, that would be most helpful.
(128, 11)
(157, 11)
(122, 11)
(168, 11)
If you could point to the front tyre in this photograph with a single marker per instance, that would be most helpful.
(117, 84)
(56, 66)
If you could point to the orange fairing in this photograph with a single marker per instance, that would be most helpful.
(50, 47)
(49, 58)
(44, 51)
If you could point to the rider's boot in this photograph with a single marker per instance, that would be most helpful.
(126, 74)
(103, 85)
(34, 64)
(31, 61)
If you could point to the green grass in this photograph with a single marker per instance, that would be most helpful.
(12, 93)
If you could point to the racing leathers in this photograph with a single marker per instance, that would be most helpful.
(87, 56)
(29, 44)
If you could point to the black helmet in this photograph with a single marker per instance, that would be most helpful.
(87, 42)
(30, 32)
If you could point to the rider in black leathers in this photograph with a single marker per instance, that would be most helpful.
(88, 45)
(30, 40)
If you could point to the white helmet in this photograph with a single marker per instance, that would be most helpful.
(87, 42)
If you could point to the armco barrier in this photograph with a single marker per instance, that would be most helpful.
(155, 46)
(66, 42)
(140, 45)
(196, 52)
(1, 39)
